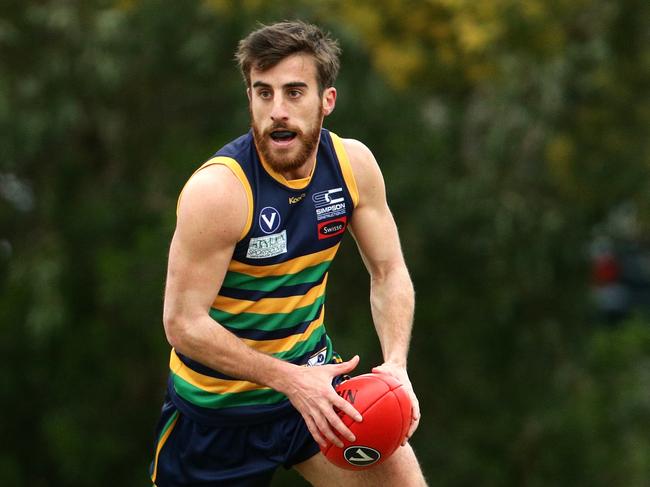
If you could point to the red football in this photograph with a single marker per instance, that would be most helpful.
(386, 410)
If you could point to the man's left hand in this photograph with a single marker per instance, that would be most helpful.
(399, 373)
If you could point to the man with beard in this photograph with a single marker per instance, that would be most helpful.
(252, 367)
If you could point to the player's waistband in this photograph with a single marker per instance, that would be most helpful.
(231, 415)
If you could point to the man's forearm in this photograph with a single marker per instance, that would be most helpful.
(392, 301)
(212, 345)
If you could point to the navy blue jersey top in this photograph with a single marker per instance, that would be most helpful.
(273, 294)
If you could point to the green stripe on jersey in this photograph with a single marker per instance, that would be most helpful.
(213, 400)
(268, 322)
(304, 347)
(269, 283)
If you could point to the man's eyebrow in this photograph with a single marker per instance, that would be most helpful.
(291, 84)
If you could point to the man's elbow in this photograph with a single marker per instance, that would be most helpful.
(175, 326)
(390, 272)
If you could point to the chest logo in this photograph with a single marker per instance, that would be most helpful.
(296, 199)
(267, 246)
(269, 219)
(329, 197)
(329, 203)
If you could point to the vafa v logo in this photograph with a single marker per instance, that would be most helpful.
(269, 219)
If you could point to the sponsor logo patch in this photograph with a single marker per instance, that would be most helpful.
(267, 246)
(331, 228)
(269, 219)
(328, 197)
(318, 358)
(296, 199)
(329, 203)
(361, 456)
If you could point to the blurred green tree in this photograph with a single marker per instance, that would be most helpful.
(506, 132)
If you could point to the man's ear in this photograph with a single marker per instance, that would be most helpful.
(248, 94)
(329, 100)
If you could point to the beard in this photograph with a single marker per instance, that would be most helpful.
(281, 160)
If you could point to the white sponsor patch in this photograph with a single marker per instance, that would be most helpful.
(329, 203)
(329, 197)
(268, 246)
(318, 358)
(331, 211)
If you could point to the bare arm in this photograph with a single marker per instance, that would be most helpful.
(211, 217)
(392, 297)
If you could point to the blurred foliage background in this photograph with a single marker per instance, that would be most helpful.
(510, 134)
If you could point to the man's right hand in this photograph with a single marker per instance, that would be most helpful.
(310, 391)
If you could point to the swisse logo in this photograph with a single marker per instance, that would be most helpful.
(331, 228)
(361, 456)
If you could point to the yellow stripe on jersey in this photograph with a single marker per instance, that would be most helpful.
(346, 168)
(207, 383)
(291, 266)
(284, 344)
(234, 166)
(270, 305)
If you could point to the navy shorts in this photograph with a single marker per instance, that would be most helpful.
(188, 453)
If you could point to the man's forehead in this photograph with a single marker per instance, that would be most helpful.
(292, 69)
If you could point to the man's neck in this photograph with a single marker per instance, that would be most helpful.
(302, 172)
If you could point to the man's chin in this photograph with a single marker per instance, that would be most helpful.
(284, 164)
(284, 159)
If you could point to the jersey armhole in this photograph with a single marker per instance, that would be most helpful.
(346, 168)
(236, 169)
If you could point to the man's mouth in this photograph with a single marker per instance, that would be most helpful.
(283, 135)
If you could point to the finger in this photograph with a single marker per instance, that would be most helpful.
(349, 366)
(324, 428)
(415, 420)
(339, 425)
(315, 433)
(347, 408)
(414, 425)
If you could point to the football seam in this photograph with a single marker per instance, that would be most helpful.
(374, 402)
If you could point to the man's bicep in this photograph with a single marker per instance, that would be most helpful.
(372, 223)
(194, 275)
(210, 220)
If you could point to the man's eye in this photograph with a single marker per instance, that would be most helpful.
(294, 93)
(264, 94)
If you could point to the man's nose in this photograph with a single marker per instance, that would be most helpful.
(279, 111)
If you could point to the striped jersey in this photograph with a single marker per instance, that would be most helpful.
(273, 293)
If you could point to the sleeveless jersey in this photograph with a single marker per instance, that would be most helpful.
(273, 294)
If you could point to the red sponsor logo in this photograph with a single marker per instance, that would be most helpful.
(331, 228)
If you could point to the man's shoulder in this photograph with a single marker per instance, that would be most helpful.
(237, 148)
(355, 148)
(360, 156)
(366, 171)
